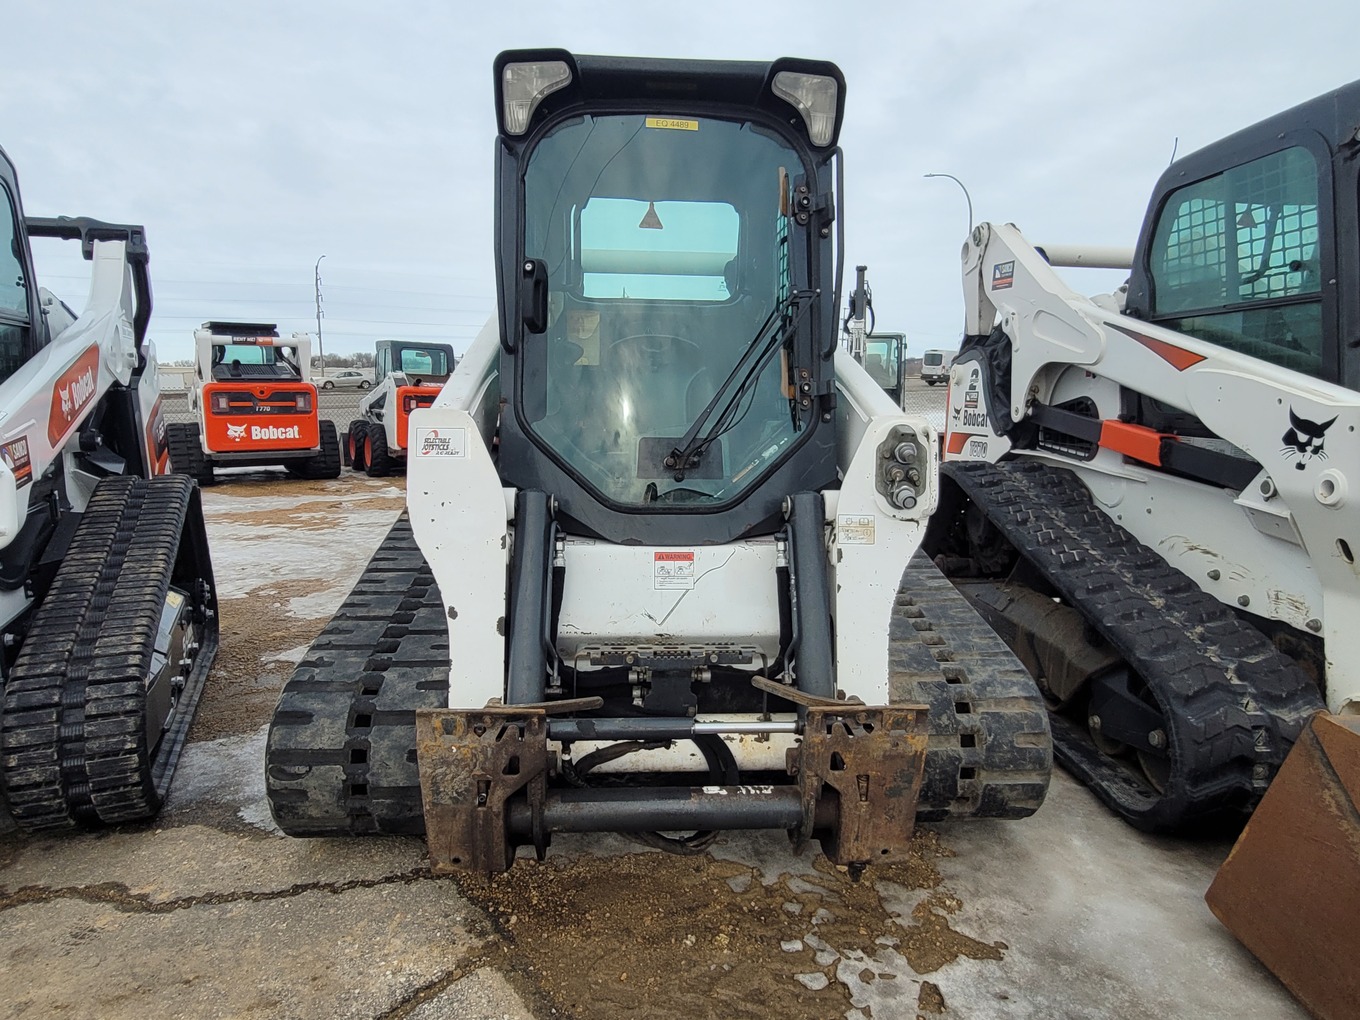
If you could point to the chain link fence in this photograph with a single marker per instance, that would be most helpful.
(926, 401)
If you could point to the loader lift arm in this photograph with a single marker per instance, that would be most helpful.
(1054, 330)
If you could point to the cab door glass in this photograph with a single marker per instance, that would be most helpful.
(14, 322)
(1236, 261)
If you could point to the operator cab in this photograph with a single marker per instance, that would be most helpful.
(1248, 243)
(668, 289)
(17, 311)
(885, 361)
(419, 363)
(249, 351)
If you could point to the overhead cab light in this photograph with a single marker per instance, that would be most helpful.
(524, 86)
(814, 96)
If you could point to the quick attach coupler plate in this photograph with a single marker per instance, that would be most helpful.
(870, 762)
(471, 763)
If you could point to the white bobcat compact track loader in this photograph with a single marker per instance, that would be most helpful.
(659, 570)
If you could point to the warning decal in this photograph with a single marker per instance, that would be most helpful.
(16, 458)
(673, 570)
(855, 529)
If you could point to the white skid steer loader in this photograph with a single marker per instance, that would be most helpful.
(1149, 493)
(409, 376)
(659, 570)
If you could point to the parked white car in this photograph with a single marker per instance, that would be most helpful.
(346, 379)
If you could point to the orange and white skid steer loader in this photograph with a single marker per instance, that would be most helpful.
(253, 406)
(409, 376)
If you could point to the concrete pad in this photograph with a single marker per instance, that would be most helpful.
(316, 954)
(482, 995)
(1099, 921)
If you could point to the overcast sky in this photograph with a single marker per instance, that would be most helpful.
(252, 137)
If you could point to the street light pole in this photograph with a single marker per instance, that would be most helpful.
(966, 196)
(320, 347)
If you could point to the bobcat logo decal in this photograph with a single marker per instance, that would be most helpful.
(236, 432)
(1303, 441)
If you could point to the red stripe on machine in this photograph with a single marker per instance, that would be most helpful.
(1177, 357)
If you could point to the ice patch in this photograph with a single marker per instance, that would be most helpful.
(293, 655)
(229, 771)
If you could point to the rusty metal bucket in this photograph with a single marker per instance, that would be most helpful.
(1290, 889)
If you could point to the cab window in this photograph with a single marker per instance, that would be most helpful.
(14, 321)
(660, 250)
(1235, 261)
(422, 361)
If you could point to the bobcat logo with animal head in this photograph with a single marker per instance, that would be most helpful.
(236, 432)
(1303, 441)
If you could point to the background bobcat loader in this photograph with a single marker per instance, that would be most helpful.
(409, 376)
(254, 405)
(883, 355)
(1149, 494)
(106, 587)
(658, 571)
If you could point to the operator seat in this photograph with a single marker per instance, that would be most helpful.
(878, 372)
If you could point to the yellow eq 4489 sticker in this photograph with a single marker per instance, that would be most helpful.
(673, 123)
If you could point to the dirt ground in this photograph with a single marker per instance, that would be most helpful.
(592, 932)
(210, 912)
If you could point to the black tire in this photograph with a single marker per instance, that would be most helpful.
(186, 453)
(364, 384)
(379, 461)
(325, 464)
(354, 442)
(328, 385)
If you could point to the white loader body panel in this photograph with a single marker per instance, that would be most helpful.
(1284, 548)
(662, 596)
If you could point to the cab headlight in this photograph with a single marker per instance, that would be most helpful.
(814, 96)
(524, 86)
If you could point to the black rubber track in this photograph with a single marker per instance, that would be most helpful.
(186, 452)
(73, 734)
(341, 754)
(990, 754)
(1232, 704)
